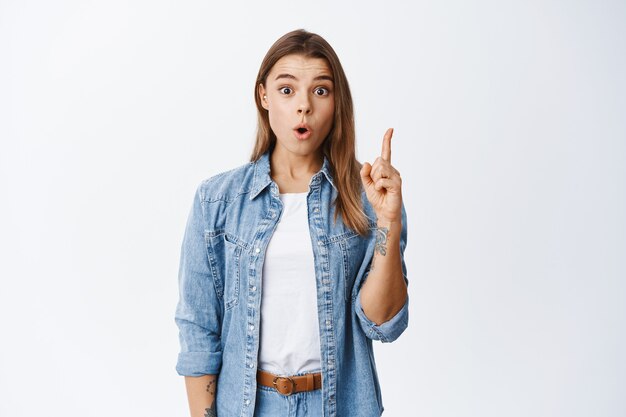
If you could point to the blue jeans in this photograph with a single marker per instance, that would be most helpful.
(271, 403)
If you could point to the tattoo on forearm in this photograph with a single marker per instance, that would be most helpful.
(211, 388)
(381, 240)
(381, 243)
(211, 411)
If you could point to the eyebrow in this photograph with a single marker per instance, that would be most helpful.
(318, 78)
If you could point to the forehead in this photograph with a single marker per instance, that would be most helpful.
(300, 66)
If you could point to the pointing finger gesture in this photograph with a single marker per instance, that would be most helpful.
(385, 154)
(382, 183)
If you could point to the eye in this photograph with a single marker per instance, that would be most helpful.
(322, 91)
(285, 90)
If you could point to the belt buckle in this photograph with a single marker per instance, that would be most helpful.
(293, 385)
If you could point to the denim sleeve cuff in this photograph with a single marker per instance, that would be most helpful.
(199, 363)
(385, 332)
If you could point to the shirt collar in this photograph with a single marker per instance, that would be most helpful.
(262, 174)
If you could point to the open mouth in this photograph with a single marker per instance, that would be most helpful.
(302, 131)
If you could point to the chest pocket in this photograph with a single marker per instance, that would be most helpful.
(225, 252)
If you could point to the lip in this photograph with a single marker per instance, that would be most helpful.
(305, 135)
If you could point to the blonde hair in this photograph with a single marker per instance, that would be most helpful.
(340, 145)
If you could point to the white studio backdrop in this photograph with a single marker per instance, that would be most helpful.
(510, 135)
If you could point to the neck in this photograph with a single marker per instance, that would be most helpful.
(293, 173)
(293, 166)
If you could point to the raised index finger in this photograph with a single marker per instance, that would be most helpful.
(386, 152)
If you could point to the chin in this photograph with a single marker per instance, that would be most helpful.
(304, 150)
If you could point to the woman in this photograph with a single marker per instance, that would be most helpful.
(293, 263)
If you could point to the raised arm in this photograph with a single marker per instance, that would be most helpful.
(384, 292)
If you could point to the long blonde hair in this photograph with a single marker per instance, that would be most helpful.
(340, 145)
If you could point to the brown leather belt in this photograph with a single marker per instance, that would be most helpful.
(287, 385)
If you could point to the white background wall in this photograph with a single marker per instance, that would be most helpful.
(510, 134)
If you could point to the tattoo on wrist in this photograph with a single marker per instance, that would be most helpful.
(381, 243)
(381, 240)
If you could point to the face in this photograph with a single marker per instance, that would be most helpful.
(299, 97)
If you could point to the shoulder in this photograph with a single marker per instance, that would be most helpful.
(227, 185)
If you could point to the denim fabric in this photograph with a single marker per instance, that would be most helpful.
(270, 403)
(229, 227)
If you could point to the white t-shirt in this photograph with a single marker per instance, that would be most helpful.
(289, 339)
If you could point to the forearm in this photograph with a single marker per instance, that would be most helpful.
(201, 393)
(384, 292)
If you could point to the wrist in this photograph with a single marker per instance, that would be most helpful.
(388, 222)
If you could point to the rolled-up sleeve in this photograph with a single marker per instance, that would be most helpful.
(385, 332)
(391, 329)
(199, 311)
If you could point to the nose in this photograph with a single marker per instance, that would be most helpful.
(304, 107)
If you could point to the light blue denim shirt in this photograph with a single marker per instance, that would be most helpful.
(218, 314)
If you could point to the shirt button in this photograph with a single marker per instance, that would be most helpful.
(251, 365)
(328, 322)
(252, 327)
(253, 288)
(257, 250)
(247, 402)
(319, 242)
(316, 210)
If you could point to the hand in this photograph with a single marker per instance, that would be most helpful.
(383, 185)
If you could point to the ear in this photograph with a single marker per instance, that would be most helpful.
(263, 97)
